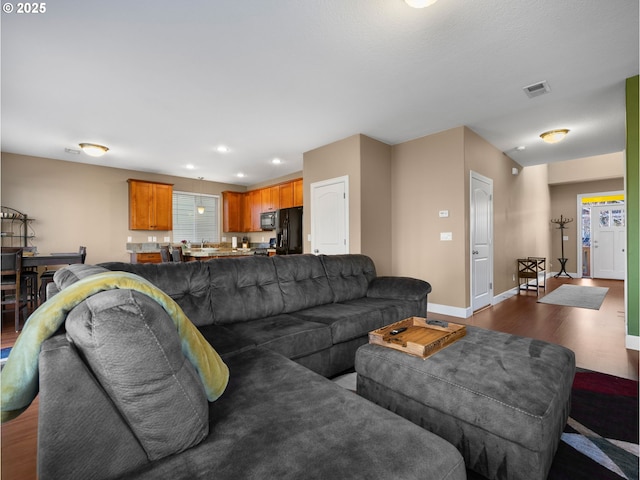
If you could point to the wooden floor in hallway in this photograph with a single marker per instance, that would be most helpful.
(596, 336)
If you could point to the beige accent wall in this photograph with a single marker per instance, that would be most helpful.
(599, 167)
(375, 173)
(367, 163)
(521, 205)
(432, 173)
(564, 201)
(428, 176)
(75, 204)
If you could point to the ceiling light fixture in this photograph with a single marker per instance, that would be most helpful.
(93, 149)
(222, 149)
(554, 136)
(240, 175)
(420, 3)
(276, 161)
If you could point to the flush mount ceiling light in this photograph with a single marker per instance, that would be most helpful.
(93, 149)
(222, 149)
(554, 136)
(276, 161)
(420, 3)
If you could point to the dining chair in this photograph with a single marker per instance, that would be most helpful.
(176, 254)
(47, 275)
(165, 254)
(11, 291)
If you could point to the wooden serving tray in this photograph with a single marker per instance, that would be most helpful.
(419, 338)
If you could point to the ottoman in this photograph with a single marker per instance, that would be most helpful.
(502, 400)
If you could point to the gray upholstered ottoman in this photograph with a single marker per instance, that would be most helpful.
(502, 400)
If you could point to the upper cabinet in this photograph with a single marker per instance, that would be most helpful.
(241, 211)
(232, 211)
(150, 205)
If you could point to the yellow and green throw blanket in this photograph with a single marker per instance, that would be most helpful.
(20, 373)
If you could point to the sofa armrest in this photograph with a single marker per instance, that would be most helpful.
(404, 288)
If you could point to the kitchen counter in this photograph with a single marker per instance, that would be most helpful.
(205, 253)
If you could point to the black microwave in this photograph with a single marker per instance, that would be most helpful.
(268, 220)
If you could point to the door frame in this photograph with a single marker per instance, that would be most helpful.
(345, 181)
(488, 180)
(579, 198)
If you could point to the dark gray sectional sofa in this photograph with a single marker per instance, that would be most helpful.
(281, 324)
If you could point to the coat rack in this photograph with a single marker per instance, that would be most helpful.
(563, 261)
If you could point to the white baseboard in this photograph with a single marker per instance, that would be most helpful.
(448, 310)
(632, 342)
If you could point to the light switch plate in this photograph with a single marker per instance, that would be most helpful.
(446, 236)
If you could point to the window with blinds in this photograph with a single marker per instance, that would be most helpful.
(192, 226)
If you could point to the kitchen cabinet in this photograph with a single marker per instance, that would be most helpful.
(241, 211)
(270, 198)
(232, 211)
(150, 205)
(286, 195)
(297, 193)
(290, 194)
(255, 204)
(146, 257)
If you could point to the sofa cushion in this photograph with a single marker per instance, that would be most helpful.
(133, 348)
(71, 274)
(303, 281)
(348, 275)
(244, 289)
(187, 283)
(306, 427)
(346, 321)
(285, 334)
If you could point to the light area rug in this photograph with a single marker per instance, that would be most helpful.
(576, 296)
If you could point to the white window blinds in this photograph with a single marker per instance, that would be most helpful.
(192, 226)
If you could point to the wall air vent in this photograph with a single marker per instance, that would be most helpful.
(537, 89)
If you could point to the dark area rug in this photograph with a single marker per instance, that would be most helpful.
(600, 440)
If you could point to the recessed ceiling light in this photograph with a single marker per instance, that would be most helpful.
(554, 136)
(222, 149)
(276, 161)
(93, 149)
(240, 175)
(190, 166)
(420, 3)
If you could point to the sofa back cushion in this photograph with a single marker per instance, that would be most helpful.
(132, 347)
(349, 275)
(186, 283)
(243, 289)
(303, 281)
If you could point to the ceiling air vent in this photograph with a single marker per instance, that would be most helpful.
(537, 89)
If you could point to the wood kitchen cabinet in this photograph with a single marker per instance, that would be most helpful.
(146, 257)
(241, 211)
(150, 205)
(297, 193)
(270, 198)
(232, 211)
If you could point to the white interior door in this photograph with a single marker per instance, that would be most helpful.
(481, 217)
(608, 241)
(330, 216)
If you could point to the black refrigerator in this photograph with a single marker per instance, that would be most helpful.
(289, 231)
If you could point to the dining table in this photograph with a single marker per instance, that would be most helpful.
(51, 259)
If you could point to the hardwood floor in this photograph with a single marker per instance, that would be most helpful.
(596, 336)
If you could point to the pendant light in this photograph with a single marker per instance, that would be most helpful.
(200, 207)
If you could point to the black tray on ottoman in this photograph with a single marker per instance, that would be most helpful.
(502, 400)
